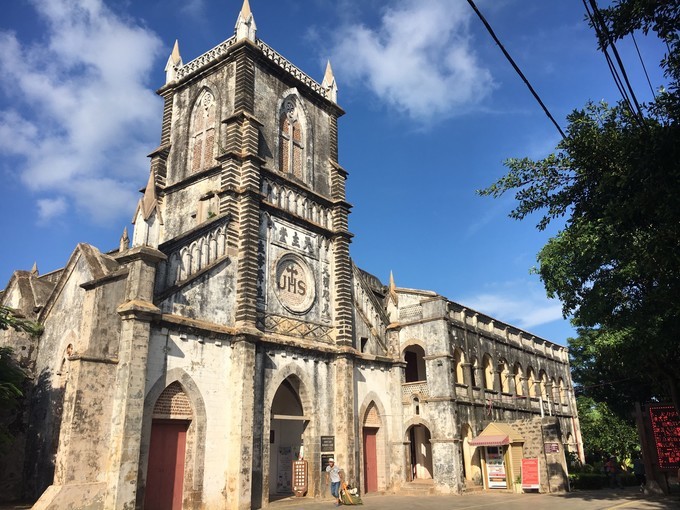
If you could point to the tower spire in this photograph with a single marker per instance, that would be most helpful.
(329, 84)
(124, 240)
(245, 24)
(174, 63)
(393, 290)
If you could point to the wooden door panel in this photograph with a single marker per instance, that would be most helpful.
(370, 460)
(165, 473)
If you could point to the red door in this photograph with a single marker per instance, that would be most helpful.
(370, 460)
(165, 475)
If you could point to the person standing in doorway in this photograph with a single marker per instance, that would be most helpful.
(333, 476)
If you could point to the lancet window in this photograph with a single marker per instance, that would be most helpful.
(291, 147)
(202, 133)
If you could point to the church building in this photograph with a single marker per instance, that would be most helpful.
(220, 357)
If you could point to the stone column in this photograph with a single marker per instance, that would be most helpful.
(467, 376)
(446, 464)
(130, 386)
(345, 440)
(238, 482)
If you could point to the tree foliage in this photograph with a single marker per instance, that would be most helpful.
(12, 377)
(607, 433)
(615, 179)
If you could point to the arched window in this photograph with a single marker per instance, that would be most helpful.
(563, 393)
(458, 360)
(202, 133)
(504, 374)
(291, 148)
(544, 385)
(487, 365)
(414, 356)
(534, 390)
(519, 380)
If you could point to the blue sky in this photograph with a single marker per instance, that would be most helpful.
(433, 109)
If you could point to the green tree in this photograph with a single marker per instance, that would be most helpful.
(601, 373)
(615, 180)
(12, 377)
(607, 433)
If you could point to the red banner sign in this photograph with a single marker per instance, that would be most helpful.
(530, 476)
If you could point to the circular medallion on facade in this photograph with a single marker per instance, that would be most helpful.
(294, 283)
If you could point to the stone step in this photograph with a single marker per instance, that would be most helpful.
(472, 489)
(418, 488)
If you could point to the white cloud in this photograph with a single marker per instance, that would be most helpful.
(80, 107)
(193, 8)
(521, 303)
(49, 208)
(419, 60)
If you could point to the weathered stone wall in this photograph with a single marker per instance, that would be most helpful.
(62, 328)
(180, 205)
(270, 91)
(552, 466)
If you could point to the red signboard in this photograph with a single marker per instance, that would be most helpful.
(530, 477)
(666, 430)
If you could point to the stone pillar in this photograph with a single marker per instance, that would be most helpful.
(467, 375)
(446, 455)
(497, 384)
(345, 439)
(238, 486)
(130, 386)
(479, 376)
(446, 464)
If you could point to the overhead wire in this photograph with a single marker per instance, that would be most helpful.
(644, 68)
(515, 67)
(607, 41)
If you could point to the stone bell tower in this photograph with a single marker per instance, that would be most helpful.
(246, 198)
(248, 137)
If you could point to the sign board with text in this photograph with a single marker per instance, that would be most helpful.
(327, 443)
(666, 431)
(530, 474)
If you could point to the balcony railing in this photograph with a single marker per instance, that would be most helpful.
(414, 388)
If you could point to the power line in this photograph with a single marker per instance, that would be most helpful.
(517, 69)
(607, 41)
(643, 65)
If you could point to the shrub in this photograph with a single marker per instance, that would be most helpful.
(587, 481)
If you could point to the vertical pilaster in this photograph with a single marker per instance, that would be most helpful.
(238, 486)
(446, 463)
(241, 185)
(344, 415)
(128, 403)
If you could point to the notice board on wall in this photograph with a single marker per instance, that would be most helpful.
(666, 431)
(530, 476)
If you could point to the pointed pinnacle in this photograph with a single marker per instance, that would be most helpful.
(328, 77)
(34, 269)
(175, 56)
(245, 10)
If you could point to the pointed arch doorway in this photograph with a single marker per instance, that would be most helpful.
(286, 437)
(170, 425)
(373, 437)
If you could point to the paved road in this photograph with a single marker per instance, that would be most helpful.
(578, 500)
(628, 499)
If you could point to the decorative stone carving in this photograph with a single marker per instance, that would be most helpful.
(294, 283)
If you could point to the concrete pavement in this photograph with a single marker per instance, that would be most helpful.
(629, 499)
